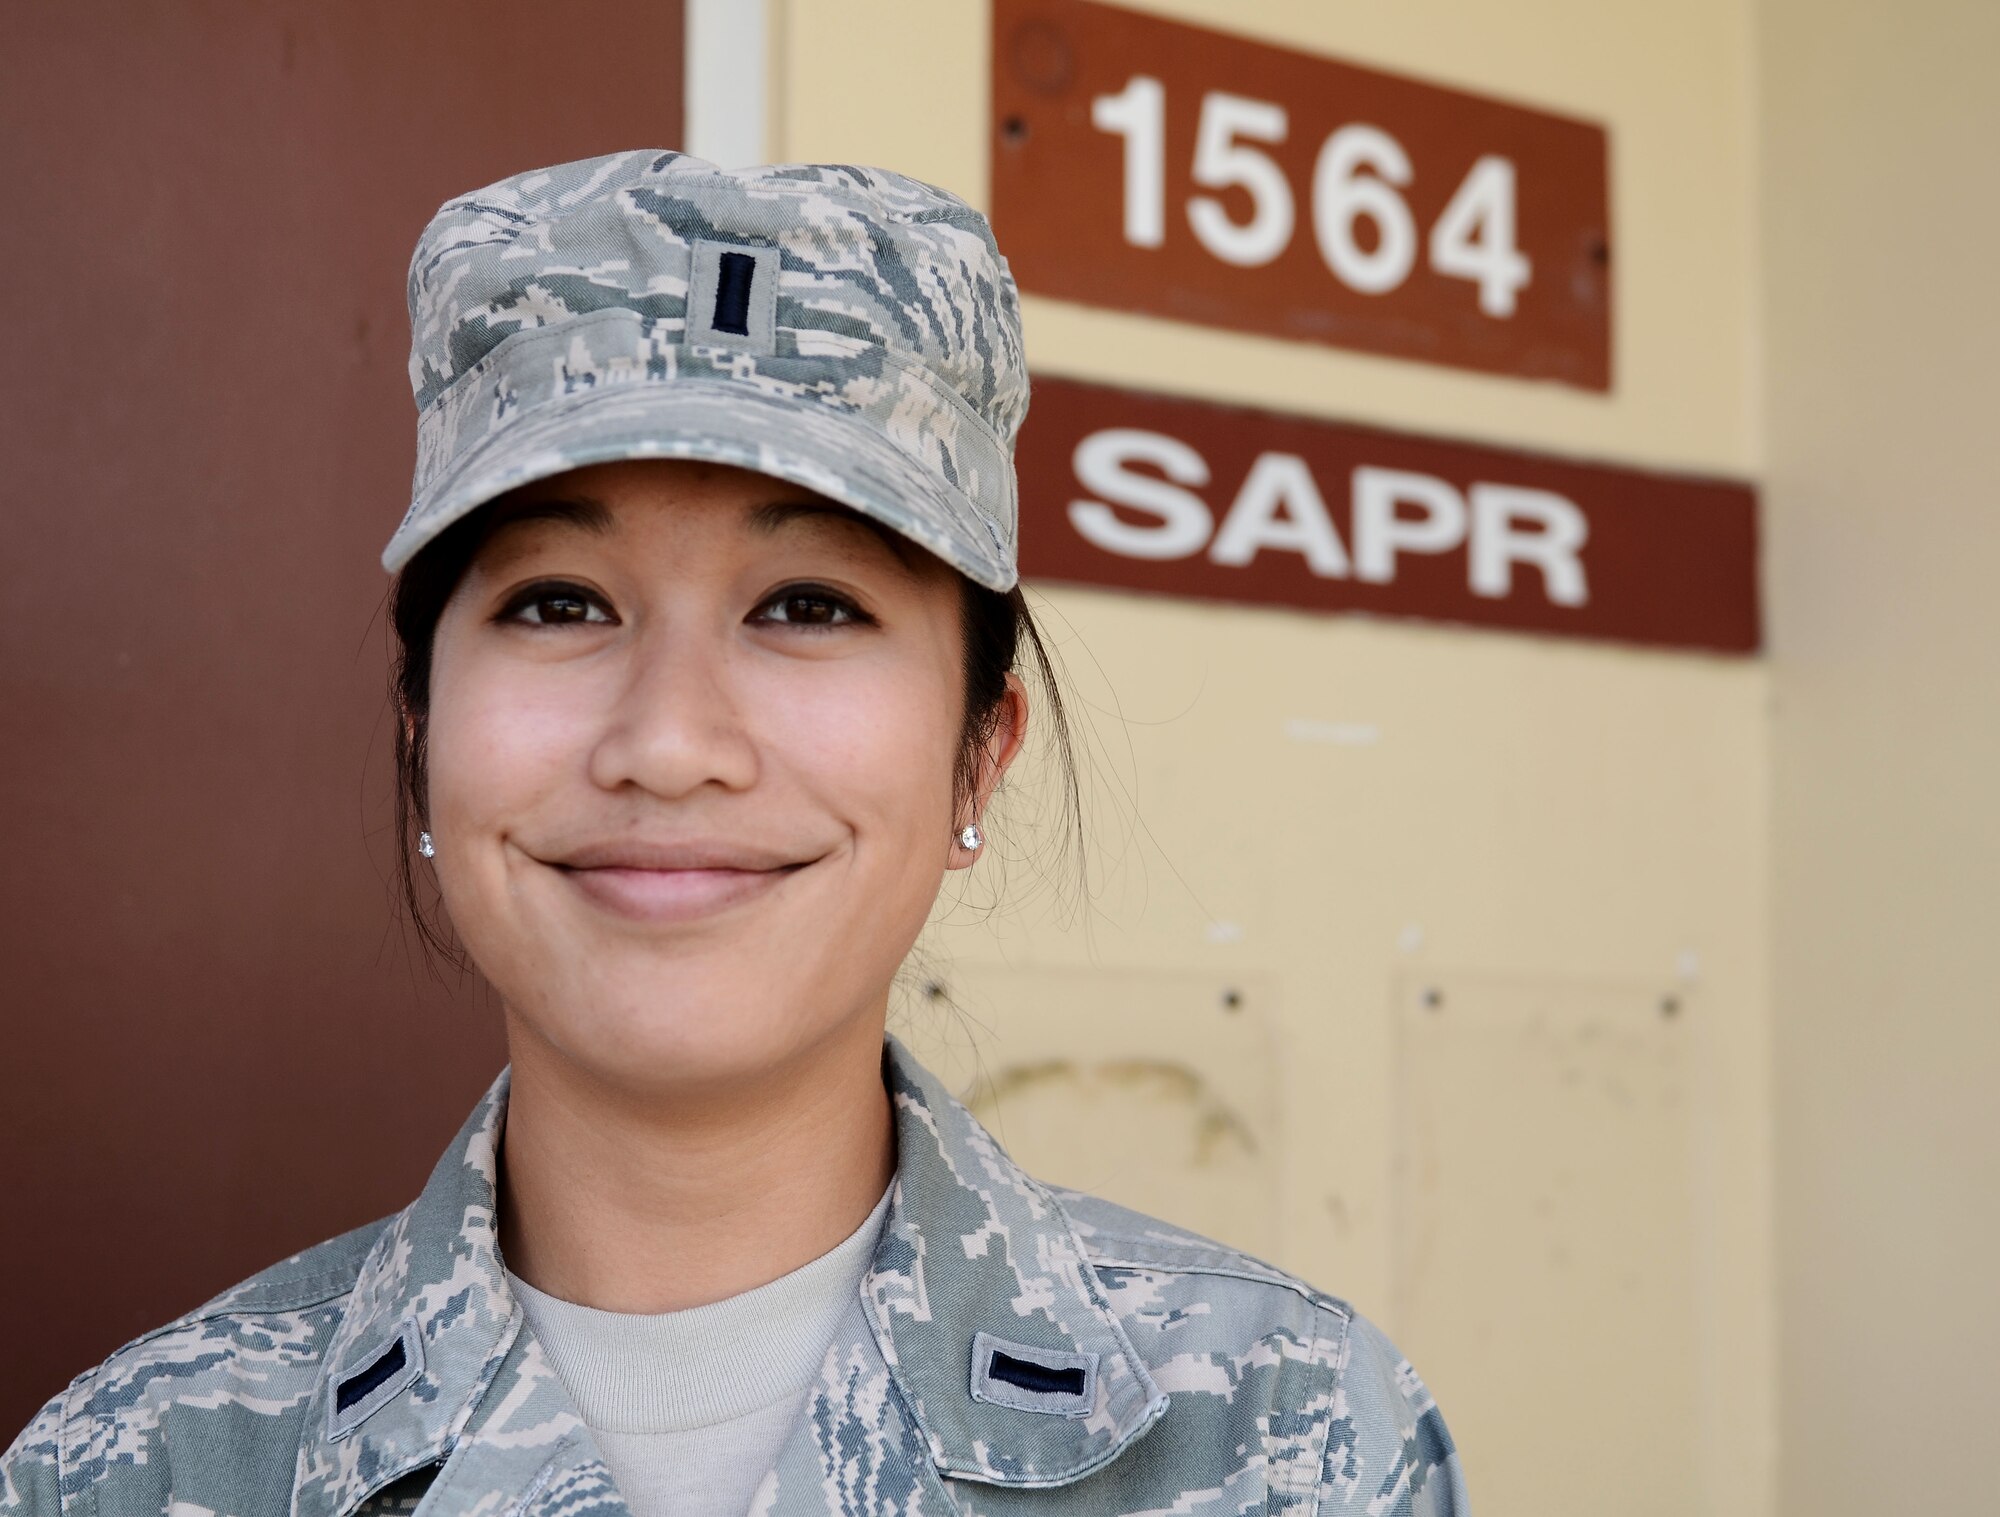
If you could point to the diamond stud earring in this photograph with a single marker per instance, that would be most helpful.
(425, 846)
(970, 837)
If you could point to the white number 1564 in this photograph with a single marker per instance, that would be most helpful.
(1356, 178)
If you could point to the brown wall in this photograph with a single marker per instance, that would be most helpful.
(217, 1044)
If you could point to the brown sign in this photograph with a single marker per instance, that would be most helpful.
(1145, 492)
(1153, 166)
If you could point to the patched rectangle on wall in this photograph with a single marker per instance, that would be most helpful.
(1154, 1089)
(1548, 1236)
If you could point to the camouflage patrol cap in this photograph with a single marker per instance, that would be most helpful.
(847, 329)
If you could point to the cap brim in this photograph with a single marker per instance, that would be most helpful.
(806, 442)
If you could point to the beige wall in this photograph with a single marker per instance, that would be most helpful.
(1879, 130)
(1491, 908)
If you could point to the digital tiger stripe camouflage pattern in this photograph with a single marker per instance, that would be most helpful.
(390, 1370)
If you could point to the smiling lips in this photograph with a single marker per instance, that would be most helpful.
(672, 882)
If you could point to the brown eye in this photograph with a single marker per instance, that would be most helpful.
(552, 605)
(812, 606)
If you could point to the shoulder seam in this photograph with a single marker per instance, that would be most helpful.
(1275, 1278)
(307, 1290)
(288, 1293)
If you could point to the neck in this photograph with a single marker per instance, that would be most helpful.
(658, 1201)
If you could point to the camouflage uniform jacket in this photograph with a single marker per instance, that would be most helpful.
(1014, 1350)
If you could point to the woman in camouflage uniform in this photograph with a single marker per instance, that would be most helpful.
(709, 619)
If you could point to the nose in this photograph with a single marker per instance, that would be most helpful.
(674, 723)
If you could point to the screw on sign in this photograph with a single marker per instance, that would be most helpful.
(1183, 497)
(1151, 166)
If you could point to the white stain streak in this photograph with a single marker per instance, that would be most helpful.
(1301, 729)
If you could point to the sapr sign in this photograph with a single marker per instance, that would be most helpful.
(1149, 492)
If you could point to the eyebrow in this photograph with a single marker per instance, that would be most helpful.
(775, 515)
(582, 511)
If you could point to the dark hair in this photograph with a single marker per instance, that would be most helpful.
(999, 632)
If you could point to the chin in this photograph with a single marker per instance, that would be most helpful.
(653, 1035)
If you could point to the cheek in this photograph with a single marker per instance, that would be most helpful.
(499, 739)
(873, 741)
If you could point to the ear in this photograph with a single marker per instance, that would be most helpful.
(1010, 728)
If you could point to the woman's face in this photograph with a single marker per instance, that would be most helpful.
(691, 741)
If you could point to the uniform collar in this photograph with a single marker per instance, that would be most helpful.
(976, 1258)
(428, 1324)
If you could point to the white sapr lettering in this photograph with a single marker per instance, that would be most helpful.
(1100, 462)
(1515, 525)
(1280, 506)
(1381, 532)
